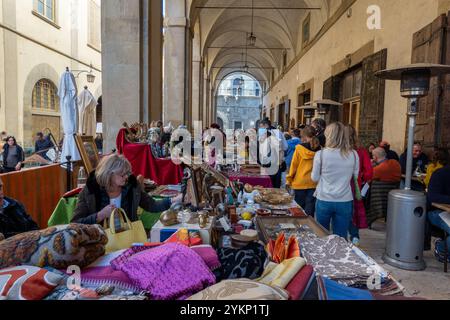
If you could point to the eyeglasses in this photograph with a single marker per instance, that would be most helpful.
(125, 175)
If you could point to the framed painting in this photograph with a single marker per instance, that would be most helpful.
(88, 151)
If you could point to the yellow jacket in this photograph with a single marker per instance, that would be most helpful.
(432, 167)
(299, 177)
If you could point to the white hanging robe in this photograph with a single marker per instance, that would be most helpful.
(87, 106)
(68, 102)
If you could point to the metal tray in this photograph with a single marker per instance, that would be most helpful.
(264, 224)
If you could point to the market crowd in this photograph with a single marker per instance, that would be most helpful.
(333, 176)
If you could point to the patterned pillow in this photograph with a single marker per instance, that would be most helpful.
(27, 283)
(241, 289)
(57, 247)
(245, 263)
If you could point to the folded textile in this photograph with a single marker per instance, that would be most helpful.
(331, 290)
(241, 289)
(300, 283)
(27, 283)
(247, 262)
(334, 258)
(280, 275)
(105, 261)
(63, 212)
(57, 247)
(63, 293)
(279, 251)
(169, 272)
(209, 256)
(98, 276)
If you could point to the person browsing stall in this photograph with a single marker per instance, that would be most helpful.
(334, 170)
(299, 177)
(43, 145)
(13, 155)
(112, 186)
(359, 220)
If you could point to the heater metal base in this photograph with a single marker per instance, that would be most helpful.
(411, 266)
(405, 231)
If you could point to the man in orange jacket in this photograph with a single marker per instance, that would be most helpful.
(385, 170)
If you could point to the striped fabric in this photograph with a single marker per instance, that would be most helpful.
(378, 200)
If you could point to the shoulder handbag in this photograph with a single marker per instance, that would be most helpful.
(134, 233)
(358, 196)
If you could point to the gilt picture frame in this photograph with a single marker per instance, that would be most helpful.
(88, 152)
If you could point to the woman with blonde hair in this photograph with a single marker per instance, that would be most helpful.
(112, 186)
(334, 169)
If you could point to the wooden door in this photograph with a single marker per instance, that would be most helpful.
(281, 112)
(371, 114)
(354, 114)
(332, 90)
(351, 111)
(287, 115)
(42, 122)
(430, 44)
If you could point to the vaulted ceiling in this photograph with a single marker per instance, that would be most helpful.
(224, 29)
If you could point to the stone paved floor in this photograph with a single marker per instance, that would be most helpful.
(432, 283)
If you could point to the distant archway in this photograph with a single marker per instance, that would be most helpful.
(238, 101)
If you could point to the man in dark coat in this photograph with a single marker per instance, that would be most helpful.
(13, 217)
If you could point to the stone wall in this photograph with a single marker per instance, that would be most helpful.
(242, 109)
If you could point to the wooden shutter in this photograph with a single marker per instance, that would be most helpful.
(372, 99)
(429, 45)
(332, 90)
(287, 116)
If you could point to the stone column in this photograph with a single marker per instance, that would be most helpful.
(121, 66)
(154, 66)
(175, 77)
(131, 63)
(196, 70)
(208, 102)
(11, 110)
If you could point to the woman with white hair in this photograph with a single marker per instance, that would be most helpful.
(111, 186)
(334, 170)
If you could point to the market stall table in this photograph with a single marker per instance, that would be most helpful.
(160, 233)
(251, 179)
(162, 171)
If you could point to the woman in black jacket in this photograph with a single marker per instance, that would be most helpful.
(13, 155)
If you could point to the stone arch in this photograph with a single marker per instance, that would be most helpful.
(98, 92)
(41, 71)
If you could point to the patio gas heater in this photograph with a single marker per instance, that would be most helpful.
(309, 112)
(407, 213)
(324, 106)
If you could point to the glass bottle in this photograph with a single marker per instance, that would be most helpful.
(81, 178)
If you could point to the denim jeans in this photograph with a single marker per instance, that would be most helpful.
(339, 214)
(306, 200)
(437, 221)
(354, 231)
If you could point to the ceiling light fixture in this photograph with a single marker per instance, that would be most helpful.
(251, 40)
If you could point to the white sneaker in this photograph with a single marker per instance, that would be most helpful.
(356, 242)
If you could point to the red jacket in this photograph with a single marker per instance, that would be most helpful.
(365, 175)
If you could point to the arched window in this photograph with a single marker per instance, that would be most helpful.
(45, 96)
